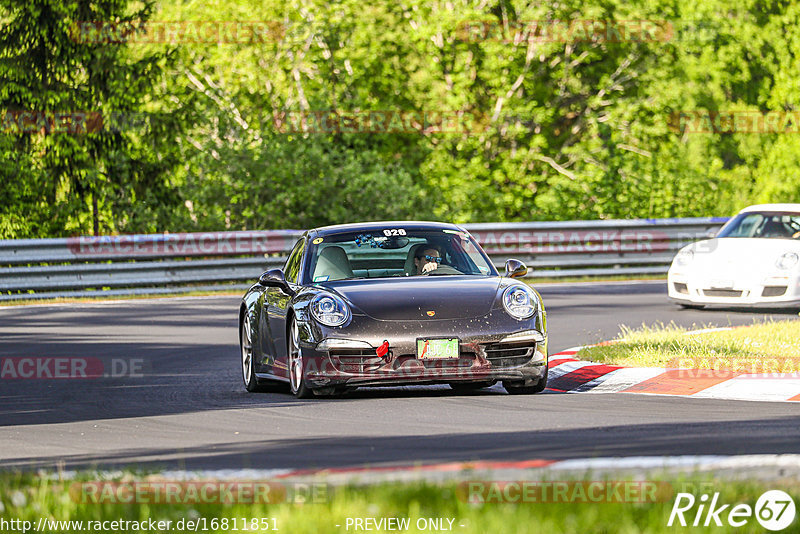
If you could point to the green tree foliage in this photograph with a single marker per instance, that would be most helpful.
(564, 128)
(72, 160)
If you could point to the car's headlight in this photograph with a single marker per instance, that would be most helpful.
(520, 302)
(343, 344)
(787, 261)
(330, 310)
(684, 257)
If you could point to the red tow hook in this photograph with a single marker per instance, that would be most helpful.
(383, 350)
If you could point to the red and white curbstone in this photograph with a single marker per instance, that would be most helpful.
(761, 466)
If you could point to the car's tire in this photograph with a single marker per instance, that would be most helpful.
(296, 364)
(469, 387)
(515, 388)
(251, 381)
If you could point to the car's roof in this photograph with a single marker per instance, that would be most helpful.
(772, 207)
(382, 225)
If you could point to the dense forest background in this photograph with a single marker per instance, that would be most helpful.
(138, 127)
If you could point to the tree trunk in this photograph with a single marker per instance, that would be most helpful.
(95, 215)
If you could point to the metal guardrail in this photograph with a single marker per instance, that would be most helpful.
(170, 263)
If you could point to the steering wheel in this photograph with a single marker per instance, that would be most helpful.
(443, 269)
(794, 225)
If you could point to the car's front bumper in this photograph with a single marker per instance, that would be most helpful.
(746, 292)
(486, 355)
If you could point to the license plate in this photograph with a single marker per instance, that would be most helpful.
(437, 349)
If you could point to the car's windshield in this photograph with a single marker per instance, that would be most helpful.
(393, 252)
(780, 225)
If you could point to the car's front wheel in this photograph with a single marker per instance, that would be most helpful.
(297, 368)
(521, 388)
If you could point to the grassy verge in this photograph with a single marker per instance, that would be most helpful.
(28, 498)
(765, 347)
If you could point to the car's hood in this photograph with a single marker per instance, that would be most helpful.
(740, 256)
(413, 298)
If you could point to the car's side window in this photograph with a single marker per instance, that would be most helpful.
(292, 268)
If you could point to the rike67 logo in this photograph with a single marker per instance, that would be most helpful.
(774, 510)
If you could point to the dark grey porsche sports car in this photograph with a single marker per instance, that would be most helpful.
(392, 303)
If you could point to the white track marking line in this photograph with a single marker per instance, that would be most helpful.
(753, 387)
(699, 462)
(767, 464)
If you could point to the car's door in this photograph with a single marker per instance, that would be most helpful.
(276, 306)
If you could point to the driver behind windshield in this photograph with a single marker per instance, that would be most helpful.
(427, 259)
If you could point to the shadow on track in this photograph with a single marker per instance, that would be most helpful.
(756, 436)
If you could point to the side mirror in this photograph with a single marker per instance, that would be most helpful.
(275, 278)
(515, 268)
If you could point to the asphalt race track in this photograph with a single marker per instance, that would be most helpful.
(187, 407)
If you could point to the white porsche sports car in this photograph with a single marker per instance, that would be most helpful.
(753, 261)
